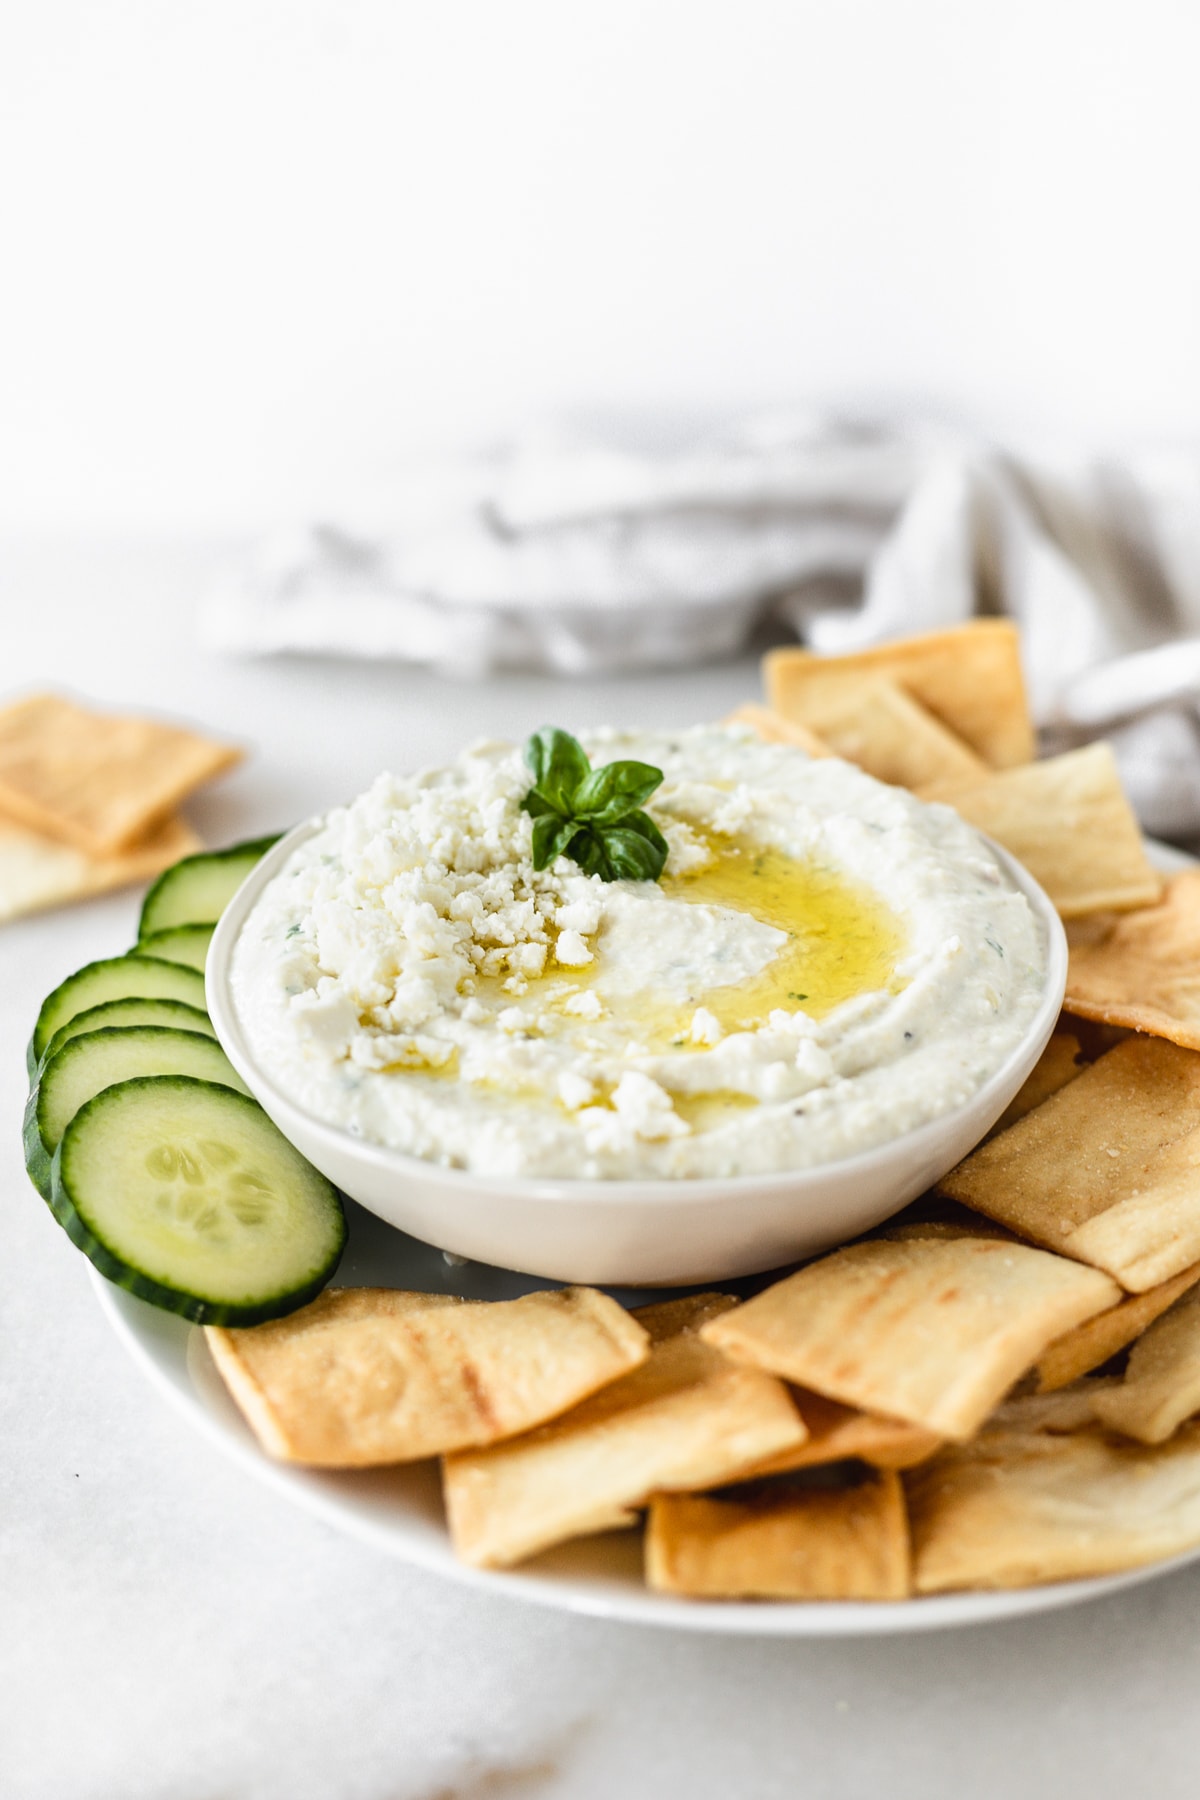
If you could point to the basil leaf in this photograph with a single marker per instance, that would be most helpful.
(632, 858)
(613, 790)
(591, 815)
(551, 838)
(588, 851)
(559, 764)
(645, 827)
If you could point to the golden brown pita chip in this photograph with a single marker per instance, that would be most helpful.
(931, 1330)
(838, 1433)
(776, 730)
(97, 780)
(972, 1225)
(815, 1544)
(1068, 821)
(1060, 1062)
(1094, 1342)
(36, 872)
(968, 677)
(885, 731)
(1142, 969)
(1012, 1509)
(1067, 1409)
(686, 1419)
(1106, 1169)
(1162, 1378)
(384, 1377)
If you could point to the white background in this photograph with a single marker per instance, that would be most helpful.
(252, 249)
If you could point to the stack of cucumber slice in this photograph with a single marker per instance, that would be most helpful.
(142, 1137)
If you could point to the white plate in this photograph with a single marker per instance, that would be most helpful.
(399, 1510)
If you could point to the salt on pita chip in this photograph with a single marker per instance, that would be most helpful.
(885, 731)
(968, 677)
(774, 729)
(97, 780)
(1013, 1510)
(814, 1544)
(384, 1377)
(838, 1433)
(1068, 821)
(668, 1318)
(36, 872)
(1106, 1170)
(1162, 1377)
(931, 1330)
(1105, 1336)
(1142, 969)
(686, 1419)
(1060, 1062)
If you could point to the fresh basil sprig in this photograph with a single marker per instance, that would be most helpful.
(591, 815)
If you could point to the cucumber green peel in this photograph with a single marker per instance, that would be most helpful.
(186, 944)
(197, 889)
(184, 1193)
(133, 1011)
(112, 978)
(99, 1059)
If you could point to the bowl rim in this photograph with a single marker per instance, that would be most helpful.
(616, 1190)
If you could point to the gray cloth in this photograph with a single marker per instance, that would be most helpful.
(562, 554)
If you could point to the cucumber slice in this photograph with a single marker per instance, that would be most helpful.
(98, 1060)
(187, 944)
(196, 890)
(186, 1194)
(130, 1012)
(116, 978)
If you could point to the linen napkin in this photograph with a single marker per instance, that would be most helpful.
(562, 553)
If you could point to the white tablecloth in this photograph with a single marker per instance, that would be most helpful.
(171, 1630)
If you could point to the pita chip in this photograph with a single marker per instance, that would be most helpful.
(794, 1544)
(37, 872)
(97, 780)
(686, 1419)
(968, 677)
(1068, 821)
(838, 1433)
(1142, 969)
(1067, 1409)
(1106, 1169)
(1162, 1377)
(930, 1330)
(1105, 1336)
(1060, 1062)
(369, 1376)
(876, 725)
(1013, 1510)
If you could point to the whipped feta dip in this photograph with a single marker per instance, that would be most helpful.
(826, 963)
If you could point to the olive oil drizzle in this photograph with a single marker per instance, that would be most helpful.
(843, 940)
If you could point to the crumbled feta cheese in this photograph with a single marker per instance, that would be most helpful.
(571, 951)
(706, 1027)
(587, 1005)
(575, 1090)
(647, 1107)
(581, 914)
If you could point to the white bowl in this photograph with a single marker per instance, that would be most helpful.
(633, 1233)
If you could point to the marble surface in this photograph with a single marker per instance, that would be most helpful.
(170, 1630)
